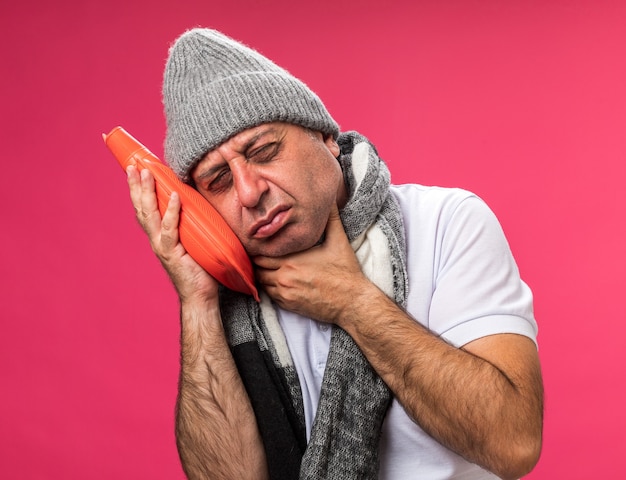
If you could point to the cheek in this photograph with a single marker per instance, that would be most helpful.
(320, 195)
(324, 183)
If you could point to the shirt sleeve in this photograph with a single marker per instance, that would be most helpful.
(477, 288)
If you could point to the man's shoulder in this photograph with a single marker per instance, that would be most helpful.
(431, 200)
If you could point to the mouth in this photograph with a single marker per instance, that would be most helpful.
(270, 224)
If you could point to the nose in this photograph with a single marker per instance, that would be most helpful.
(250, 185)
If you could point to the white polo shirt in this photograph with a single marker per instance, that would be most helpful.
(463, 285)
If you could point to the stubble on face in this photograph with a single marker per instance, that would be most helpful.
(298, 182)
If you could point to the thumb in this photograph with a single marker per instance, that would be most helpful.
(334, 227)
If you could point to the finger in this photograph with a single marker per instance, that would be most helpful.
(169, 224)
(134, 187)
(268, 263)
(263, 276)
(334, 227)
(149, 215)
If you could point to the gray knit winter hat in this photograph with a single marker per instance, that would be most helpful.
(214, 87)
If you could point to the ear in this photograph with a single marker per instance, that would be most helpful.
(332, 145)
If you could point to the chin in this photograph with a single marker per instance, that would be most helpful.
(280, 247)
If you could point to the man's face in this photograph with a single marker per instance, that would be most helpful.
(274, 185)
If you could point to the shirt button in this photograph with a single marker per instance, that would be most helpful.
(324, 327)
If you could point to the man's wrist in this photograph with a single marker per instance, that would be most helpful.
(361, 306)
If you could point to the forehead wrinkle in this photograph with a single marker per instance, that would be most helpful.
(242, 143)
(236, 146)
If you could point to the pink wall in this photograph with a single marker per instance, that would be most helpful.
(521, 102)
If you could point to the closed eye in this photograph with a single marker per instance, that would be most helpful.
(264, 154)
(220, 182)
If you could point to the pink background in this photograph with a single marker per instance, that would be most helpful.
(521, 102)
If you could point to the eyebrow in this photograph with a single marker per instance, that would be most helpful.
(209, 173)
(245, 147)
(250, 143)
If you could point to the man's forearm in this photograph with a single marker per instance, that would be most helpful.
(489, 415)
(216, 430)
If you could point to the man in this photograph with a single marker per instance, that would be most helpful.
(429, 368)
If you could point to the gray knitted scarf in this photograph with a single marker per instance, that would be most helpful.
(354, 400)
